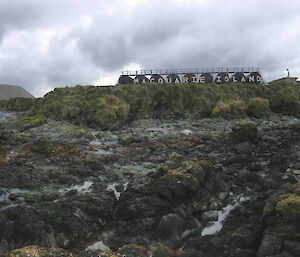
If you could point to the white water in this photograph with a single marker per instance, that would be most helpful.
(98, 246)
(80, 188)
(217, 225)
(112, 187)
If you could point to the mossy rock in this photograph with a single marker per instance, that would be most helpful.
(243, 131)
(33, 121)
(174, 161)
(33, 251)
(176, 185)
(161, 251)
(258, 107)
(3, 155)
(287, 209)
(206, 166)
(46, 147)
(132, 250)
(193, 167)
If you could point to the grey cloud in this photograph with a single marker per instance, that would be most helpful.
(153, 34)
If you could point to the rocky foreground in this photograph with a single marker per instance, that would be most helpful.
(206, 187)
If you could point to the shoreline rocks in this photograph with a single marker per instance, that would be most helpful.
(144, 191)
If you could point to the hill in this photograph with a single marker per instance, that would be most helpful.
(9, 91)
(114, 106)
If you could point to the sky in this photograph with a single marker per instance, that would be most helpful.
(46, 44)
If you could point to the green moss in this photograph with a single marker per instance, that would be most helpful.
(33, 121)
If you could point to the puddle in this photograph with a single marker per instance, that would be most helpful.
(217, 225)
(137, 168)
(22, 195)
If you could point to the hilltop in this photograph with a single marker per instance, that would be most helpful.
(9, 91)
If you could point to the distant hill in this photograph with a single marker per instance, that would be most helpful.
(8, 91)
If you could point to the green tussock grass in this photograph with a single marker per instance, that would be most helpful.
(110, 106)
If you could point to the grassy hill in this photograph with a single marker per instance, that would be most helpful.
(111, 106)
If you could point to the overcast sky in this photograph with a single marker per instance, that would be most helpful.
(55, 43)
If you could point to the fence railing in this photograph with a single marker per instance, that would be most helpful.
(189, 70)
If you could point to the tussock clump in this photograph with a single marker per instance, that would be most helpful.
(229, 109)
(258, 107)
(110, 109)
(285, 101)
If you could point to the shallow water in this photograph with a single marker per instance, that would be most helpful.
(137, 168)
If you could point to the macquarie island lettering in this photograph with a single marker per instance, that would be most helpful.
(239, 75)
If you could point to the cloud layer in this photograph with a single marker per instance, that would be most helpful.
(53, 43)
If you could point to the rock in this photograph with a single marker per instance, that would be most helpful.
(292, 247)
(243, 238)
(4, 246)
(209, 216)
(170, 226)
(239, 252)
(243, 148)
(222, 195)
(283, 254)
(270, 245)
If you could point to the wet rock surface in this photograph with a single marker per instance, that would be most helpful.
(150, 189)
